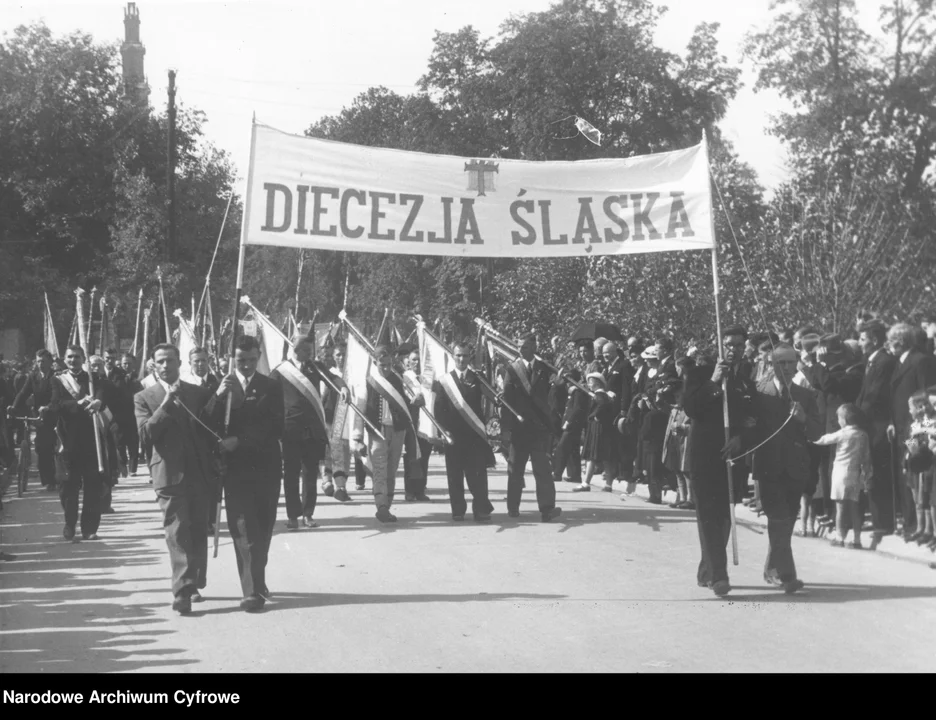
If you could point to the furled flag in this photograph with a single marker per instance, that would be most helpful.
(51, 343)
(434, 362)
(591, 133)
(271, 342)
(186, 344)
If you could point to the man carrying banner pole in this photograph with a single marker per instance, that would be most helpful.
(469, 455)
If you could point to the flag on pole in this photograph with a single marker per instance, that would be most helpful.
(186, 344)
(434, 362)
(144, 354)
(73, 335)
(272, 348)
(357, 367)
(51, 344)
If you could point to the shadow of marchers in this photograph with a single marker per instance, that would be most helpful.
(293, 601)
(830, 593)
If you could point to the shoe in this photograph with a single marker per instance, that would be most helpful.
(551, 514)
(675, 505)
(254, 603)
(458, 518)
(329, 489)
(721, 588)
(706, 584)
(924, 539)
(341, 495)
(384, 515)
(582, 488)
(89, 536)
(409, 497)
(606, 488)
(686, 505)
(570, 480)
(855, 546)
(196, 597)
(68, 533)
(631, 488)
(308, 522)
(182, 605)
(655, 501)
(265, 593)
(422, 497)
(359, 488)
(51, 488)
(513, 513)
(792, 586)
(482, 518)
(837, 542)
(292, 524)
(915, 537)
(875, 540)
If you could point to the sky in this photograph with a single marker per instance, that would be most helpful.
(292, 63)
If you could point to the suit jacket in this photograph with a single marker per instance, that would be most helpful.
(915, 373)
(372, 406)
(181, 447)
(577, 409)
(465, 440)
(40, 389)
(533, 406)
(210, 383)
(257, 423)
(300, 420)
(620, 379)
(784, 456)
(75, 424)
(874, 398)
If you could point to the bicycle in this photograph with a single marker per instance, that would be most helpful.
(25, 456)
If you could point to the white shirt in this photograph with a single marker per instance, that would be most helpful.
(460, 374)
(166, 386)
(244, 381)
(903, 356)
(873, 355)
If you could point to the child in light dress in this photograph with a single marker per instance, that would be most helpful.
(851, 471)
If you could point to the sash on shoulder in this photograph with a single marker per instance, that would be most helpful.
(519, 369)
(391, 395)
(464, 409)
(299, 381)
(69, 383)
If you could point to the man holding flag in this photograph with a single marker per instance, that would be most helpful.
(305, 431)
(458, 409)
(385, 407)
(39, 386)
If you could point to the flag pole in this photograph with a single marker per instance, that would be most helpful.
(721, 356)
(136, 327)
(50, 332)
(84, 334)
(238, 289)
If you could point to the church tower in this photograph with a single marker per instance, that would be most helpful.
(135, 88)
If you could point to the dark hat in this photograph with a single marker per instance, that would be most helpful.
(872, 325)
(734, 330)
(832, 342)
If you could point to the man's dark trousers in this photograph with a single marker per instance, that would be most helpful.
(82, 475)
(881, 491)
(186, 507)
(250, 504)
(416, 472)
(713, 518)
(780, 500)
(301, 458)
(568, 455)
(45, 453)
(536, 449)
(467, 467)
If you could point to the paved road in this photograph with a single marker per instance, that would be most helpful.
(608, 587)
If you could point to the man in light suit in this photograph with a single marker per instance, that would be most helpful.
(914, 371)
(783, 459)
(181, 467)
(874, 401)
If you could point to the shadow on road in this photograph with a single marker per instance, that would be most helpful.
(65, 607)
(830, 593)
(293, 601)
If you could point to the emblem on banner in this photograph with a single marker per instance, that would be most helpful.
(481, 177)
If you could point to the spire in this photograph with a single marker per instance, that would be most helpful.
(132, 51)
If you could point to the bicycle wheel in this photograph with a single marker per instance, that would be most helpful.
(24, 462)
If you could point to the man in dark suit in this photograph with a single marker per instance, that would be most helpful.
(201, 374)
(914, 371)
(568, 450)
(526, 388)
(874, 400)
(305, 435)
(126, 386)
(73, 404)
(39, 386)
(703, 402)
(181, 467)
(253, 466)
(787, 419)
(458, 408)
(619, 375)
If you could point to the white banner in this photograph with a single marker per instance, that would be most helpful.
(434, 362)
(310, 193)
